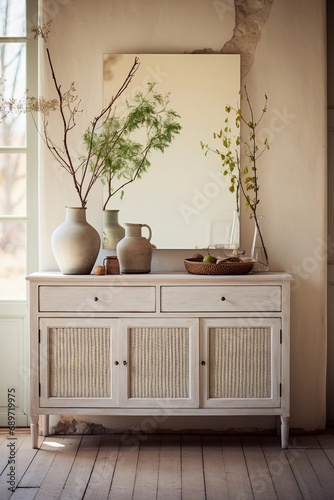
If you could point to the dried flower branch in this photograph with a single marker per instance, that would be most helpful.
(8, 106)
(67, 105)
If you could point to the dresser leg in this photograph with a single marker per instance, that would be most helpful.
(285, 432)
(34, 430)
(45, 425)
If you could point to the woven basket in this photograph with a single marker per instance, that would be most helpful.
(195, 266)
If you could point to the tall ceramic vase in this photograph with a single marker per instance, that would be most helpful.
(113, 232)
(134, 251)
(75, 243)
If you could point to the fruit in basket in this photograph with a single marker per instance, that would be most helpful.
(209, 259)
(198, 256)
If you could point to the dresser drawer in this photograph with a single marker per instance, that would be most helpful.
(97, 299)
(220, 298)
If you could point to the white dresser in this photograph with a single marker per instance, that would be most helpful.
(159, 344)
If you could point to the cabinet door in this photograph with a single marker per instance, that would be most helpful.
(78, 362)
(240, 362)
(159, 359)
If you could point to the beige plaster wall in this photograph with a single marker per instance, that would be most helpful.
(289, 64)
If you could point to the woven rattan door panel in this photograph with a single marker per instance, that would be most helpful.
(76, 363)
(162, 363)
(241, 362)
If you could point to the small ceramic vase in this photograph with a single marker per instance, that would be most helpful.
(134, 251)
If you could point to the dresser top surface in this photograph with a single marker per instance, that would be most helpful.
(159, 278)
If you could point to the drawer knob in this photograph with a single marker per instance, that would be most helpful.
(125, 363)
(203, 363)
(223, 298)
(116, 363)
(96, 299)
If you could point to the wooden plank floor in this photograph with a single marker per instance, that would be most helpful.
(144, 467)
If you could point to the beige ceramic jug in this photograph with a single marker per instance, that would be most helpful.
(134, 251)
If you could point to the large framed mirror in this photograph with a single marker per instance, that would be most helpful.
(183, 197)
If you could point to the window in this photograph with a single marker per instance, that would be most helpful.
(18, 146)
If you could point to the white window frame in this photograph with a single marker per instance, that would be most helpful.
(15, 312)
(30, 148)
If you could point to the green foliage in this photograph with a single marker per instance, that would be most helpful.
(239, 156)
(122, 147)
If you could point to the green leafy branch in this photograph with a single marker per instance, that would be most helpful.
(240, 157)
(121, 149)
